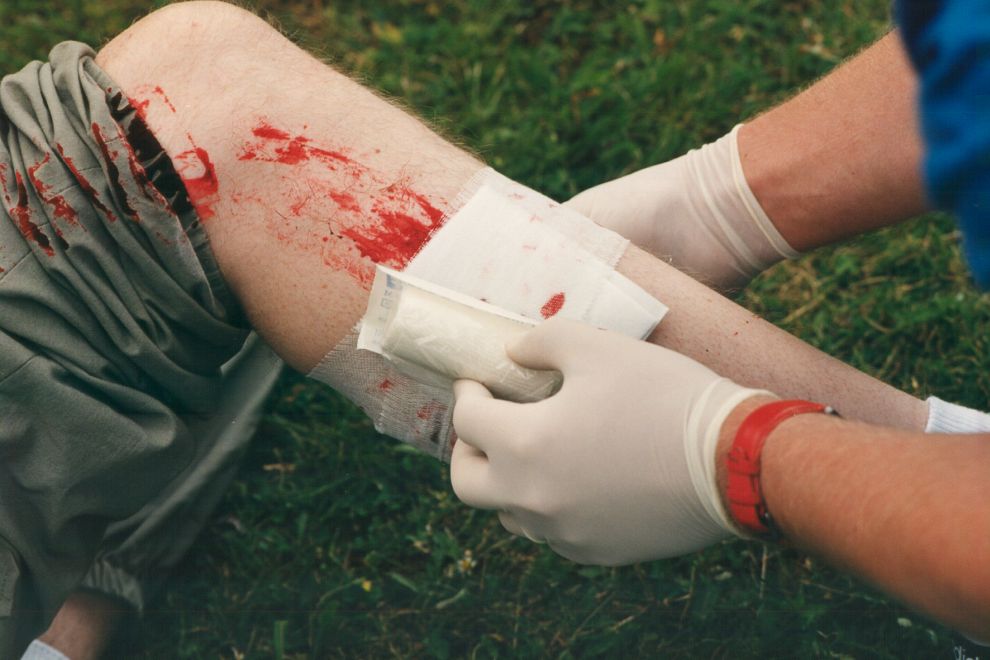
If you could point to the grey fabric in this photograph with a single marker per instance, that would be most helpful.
(138, 553)
(114, 326)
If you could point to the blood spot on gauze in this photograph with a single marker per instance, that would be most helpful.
(385, 385)
(553, 305)
(431, 410)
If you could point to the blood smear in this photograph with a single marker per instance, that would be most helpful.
(60, 207)
(22, 215)
(203, 187)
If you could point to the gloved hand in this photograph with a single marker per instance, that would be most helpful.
(618, 466)
(696, 212)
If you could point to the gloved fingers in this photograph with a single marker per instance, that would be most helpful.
(481, 420)
(513, 526)
(470, 477)
(556, 344)
(509, 523)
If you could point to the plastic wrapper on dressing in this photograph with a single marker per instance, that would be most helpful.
(436, 336)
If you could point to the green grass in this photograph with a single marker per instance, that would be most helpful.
(337, 542)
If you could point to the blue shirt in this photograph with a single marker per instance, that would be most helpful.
(949, 43)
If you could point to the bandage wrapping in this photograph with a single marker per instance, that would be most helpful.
(436, 336)
(510, 247)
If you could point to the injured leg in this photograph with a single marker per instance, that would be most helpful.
(304, 180)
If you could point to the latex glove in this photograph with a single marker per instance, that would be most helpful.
(696, 212)
(618, 466)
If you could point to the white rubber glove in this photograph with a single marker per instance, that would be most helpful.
(618, 466)
(696, 212)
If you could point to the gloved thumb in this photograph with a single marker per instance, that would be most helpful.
(555, 344)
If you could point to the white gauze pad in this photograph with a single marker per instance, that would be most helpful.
(435, 336)
(513, 248)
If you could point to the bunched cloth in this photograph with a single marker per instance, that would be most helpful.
(114, 325)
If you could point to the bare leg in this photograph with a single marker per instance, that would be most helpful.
(738, 344)
(83, 625)
(304, 180)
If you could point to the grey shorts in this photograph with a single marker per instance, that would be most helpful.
(114, 327)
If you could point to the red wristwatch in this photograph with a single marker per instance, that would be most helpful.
(746, 503)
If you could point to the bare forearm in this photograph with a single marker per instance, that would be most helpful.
(909, 513)
(842, 157)
(739, 345)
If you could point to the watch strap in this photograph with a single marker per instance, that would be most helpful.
(744, 492)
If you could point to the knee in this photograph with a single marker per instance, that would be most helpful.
(182, 39)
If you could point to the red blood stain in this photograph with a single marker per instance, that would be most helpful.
(394, 242)
(141, 104)
(139, 174)
(85, 184)
(203, 187)
(60, 207)
(22, 215)
(279, 146)
(390, 229)
(269, 132)
(399, 236)
(431, 410)
(296, 209)
(385, 385)
(553, 305)
(345, 201)
(112, 171)
(193, 166)
(433, 213)
(158, 90)
(138, 139)
(60, 239)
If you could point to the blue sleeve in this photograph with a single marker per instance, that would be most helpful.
(949, 43)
